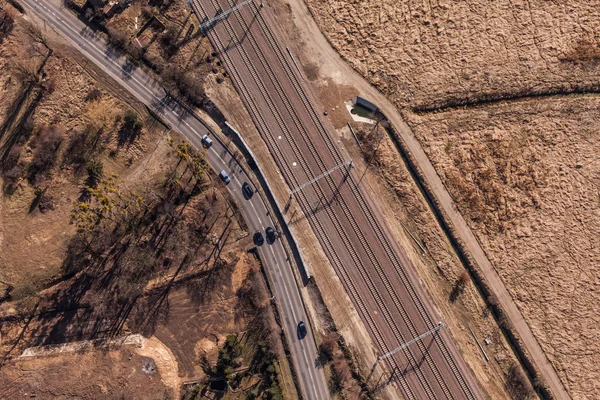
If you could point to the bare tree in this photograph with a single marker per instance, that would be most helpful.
(37, 36)
(327, 347)
(459, 286)
(517, 383)
(27, 74)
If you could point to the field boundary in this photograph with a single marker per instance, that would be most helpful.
(524, 95)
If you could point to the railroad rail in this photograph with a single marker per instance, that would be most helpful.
(366, 209)
(322, 191)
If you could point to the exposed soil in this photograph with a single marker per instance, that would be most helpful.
(116, 374)
(428, 55)
(526, 176)
(201, 314)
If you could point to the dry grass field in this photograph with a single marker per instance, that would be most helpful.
(115, 374)
(110, 226)
(425, 55)
(526, 175)
(64, 115)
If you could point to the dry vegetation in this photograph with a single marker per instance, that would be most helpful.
(164, 37)
(426, 55)
(526, 176)
(336, 356)
(107, 230)
(59, 132)
(246, 359)
(440, 269)
(343, 382)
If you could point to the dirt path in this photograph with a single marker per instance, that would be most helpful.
(338, 70)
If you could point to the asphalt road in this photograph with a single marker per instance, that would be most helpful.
(145, 89)
(375, 270)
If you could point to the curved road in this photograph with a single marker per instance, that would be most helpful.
(146, 90)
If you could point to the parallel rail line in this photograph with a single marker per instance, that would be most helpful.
(350, 217)
(306, 205)
(367, 210)
(321, 194)
(332, 216)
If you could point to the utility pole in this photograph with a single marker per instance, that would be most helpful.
(390, 353)
(418, 338)
(222, 15)
(324, 174)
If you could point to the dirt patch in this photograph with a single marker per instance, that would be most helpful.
(527, 178)
(90, 375)
(197, 323)
(234, 348)
(332, 97)
(160, 359)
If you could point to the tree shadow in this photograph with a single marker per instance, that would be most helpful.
(14, 109)
(130, 130)
(459, 287)
(109, 265)
(21, 129)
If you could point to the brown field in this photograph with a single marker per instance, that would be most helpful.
(31, 241)
(433, 54)
(115, 374)
(526, 175)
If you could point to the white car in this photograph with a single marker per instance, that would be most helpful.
(206, 141)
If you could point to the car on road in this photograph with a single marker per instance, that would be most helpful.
(206, 141)
(224, 177)
(301, 330)
(247, 190)
(258, 238)
(271, 235)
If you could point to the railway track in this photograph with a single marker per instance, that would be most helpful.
(350, 217)
(332, 254)
(322, 194)
(330, 250)
(366, 209)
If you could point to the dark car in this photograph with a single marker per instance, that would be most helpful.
(258, 238)
(247, 190)
(301, 330)
(224, 177)
(271, 235)
(206, 141)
